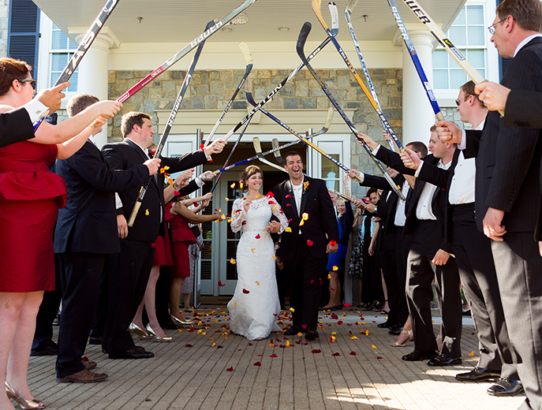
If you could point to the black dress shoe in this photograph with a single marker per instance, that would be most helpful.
(311, 335)
(133, 353)
(478, 374)
(45, 351)
(395, 330)
(95, 340)
(294, 330)
(416, 355)
(385, 325)
(505, 387)
(443, 360)
(171, 325)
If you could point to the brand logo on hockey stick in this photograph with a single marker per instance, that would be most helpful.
(454, 50)
(206, 34)
(400, 25)
(421, 15)
(430, 91)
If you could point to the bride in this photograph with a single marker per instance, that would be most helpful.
(255, 304)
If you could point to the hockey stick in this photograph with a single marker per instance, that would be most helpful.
(322, 131)
(301, 137)
(335, 30)
(169, 125)
(275, 144)
(87, 41)
(202, 37)
(258, 149)
(374, 101)
(248, 58)
(305, 30)
(412, 51)
(433, 27)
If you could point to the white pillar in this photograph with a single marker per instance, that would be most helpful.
(418, 116)
(94, 70)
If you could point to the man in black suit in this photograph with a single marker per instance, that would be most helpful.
(508, 190)
(306, 203)
(472, 251)
(429, 257)
(16, 125)
(130, 269)
(394, 244)
(521, 108)
(85, 235)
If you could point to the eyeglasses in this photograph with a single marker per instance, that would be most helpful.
(492, 27)
(457, 102)
(27, 80)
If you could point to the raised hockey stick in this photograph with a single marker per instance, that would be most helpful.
(87, 41)
(169, 63)
(169, 125)
(301, 137)
(275, 144)
(335, 30)
(258, 149)
(417, 64)
(248, 58)
(322, 131)
(374, 101)
(305, 30)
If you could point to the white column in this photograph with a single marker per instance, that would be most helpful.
(418, 116)
(94, 70)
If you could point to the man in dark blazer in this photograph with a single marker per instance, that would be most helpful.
(508, 190)
(306, 203)
(394, 245)
(130, 269)
(17, 125)
(85, 234)
(472, 251)
(521, 108)
(429, 257)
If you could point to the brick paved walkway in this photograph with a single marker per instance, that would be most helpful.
(207, 368)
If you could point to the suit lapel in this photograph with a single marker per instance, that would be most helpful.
(140, 152)
(290, 191)
(303, 198)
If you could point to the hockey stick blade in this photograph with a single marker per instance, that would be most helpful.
(276, 146)
(258, 149)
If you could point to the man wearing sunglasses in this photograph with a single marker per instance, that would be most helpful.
(16, 125)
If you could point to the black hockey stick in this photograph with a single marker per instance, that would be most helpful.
(87, 41)
(169, 125)
(248, 58)
(305, 30)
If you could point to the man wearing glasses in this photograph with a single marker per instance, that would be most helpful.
(508, 190)
(472, 251)
(16, 125)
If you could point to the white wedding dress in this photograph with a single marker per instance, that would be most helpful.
(255, 304)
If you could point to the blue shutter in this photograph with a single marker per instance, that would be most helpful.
(23, 32)
(503, 62)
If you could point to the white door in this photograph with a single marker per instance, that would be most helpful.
(338, 147)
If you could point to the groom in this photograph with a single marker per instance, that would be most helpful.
(307, 205)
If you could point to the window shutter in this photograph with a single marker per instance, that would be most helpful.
(23, 32)
(503, 62)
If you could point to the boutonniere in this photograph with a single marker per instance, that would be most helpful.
(305, 186)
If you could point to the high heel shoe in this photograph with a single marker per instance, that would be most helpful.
(154, 336)
(136, 330)
(180, 322)
(408, 339)
(22, 403)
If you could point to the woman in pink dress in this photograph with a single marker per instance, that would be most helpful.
(30, 196)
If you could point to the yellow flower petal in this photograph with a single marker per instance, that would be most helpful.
(300, 334)
(147, 212)
(257, 283)
(373, 347)
(232, 261)
(305, 216)
(223, 217)
(301, 223)
(274, 257)
(335, 268)
(366, 332)
(234, 304)
(241, 185)
(227, 199)
(288, 229)
(220, 211)
(275, 207)
(232, 185)
(292, 310)
(471, 353)
(253, 249)
(166, 167)
(353, 338)
(329, 275)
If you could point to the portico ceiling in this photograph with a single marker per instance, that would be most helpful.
(174, 21)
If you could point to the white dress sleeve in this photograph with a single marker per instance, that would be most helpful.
(278, 212)
(238, 215)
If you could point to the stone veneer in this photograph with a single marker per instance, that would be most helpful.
(4, 26)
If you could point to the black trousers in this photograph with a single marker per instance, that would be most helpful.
(402, 248)
(128, 276)
(306, 274)
(519, 266)
(426, 240)
(389, 269)
(163, 287)
(472, 250)
(43, 336)
(80, 276)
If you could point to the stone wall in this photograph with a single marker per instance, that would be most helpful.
(4, 25)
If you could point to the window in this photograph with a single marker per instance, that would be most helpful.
(61, 51)
(468, 34)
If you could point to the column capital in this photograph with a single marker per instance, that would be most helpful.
(419, 35)
(105, 40)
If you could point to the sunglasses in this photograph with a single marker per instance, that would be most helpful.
(27, 80)
(457, 102)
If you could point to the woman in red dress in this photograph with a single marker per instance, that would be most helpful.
(30, 196)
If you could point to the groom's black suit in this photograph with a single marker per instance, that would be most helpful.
(304, 254)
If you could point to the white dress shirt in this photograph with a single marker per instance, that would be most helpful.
(400, 216)
(298, 194)
(424, 209)
(35, 110)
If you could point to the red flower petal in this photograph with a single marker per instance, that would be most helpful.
(272, 203)
(352, 353)
(153, 245)
(379, 357)
(273, 355)
(287, 196)
(316, 351)
(246, 292)
(346, 305)
(270, 194)
(331, 288)
(304, 326)
(289, 220)
(336, 354)
(244, 223)
(257, 364)
(220, 347)
(221, 284)
(309, 242)
(187, 345)
(250, 344)
(340, 322)
(333, 243)
(334, 316)
(258, 236)
(229, 369)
